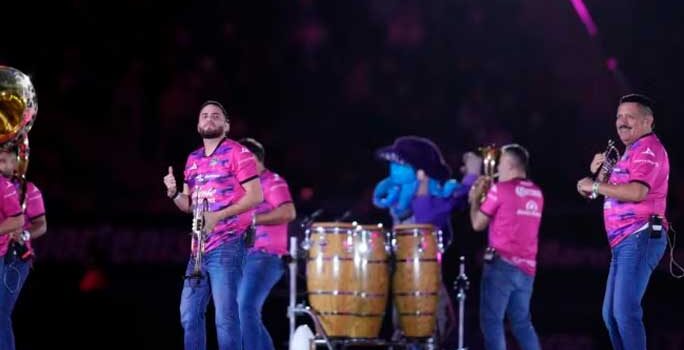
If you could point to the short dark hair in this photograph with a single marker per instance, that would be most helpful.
(217, 104)
(255, 147)
(522, 157)
(647, 104)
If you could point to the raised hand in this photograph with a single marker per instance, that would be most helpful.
(472, 163)
(170, 183)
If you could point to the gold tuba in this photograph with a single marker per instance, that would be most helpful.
(18, 109)
(490, 160)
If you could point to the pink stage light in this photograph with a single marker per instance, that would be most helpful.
(584, 16)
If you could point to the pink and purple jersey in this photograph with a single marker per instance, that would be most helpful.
(515, 208)
(272, 238)
(218, 177)
(35, 207)
(645, 161)
(9, 207)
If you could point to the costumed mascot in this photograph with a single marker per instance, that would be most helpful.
(420, 190)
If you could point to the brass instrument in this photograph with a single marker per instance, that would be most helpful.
(199, 235)
(18, 109)
(490, 161)
(602, 174)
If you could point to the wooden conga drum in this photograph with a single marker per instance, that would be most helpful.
(416, 279)
(347, 278)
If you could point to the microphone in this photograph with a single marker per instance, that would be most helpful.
(311, 217)
(344, 216)
(305, 224)
(315, 214)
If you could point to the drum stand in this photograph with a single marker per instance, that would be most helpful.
(461, 285)
(294, 309)
(320, 337)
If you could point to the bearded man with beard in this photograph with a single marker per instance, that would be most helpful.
(224, 173)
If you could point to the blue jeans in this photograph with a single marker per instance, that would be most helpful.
(506, 290)
(12, 278)
(631, 265)
(222, 271)
(261, 272)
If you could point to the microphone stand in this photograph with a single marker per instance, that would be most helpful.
(461, 285)
(344, 216)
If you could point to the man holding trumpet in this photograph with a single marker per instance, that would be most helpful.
(635, 191)
(224, 173)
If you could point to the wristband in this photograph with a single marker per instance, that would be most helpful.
(594, 190)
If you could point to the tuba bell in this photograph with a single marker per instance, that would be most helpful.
(18, 109)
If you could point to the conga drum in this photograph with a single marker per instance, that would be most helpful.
(417, 278)
(347, 278)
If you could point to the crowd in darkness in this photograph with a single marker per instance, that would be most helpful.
(321, 84)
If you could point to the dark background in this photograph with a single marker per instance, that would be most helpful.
(322, 84)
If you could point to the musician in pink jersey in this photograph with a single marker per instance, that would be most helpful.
(634, 218)
(35, 223)
(13, 268)
(224, 173)
(512, 210)
(263, 265)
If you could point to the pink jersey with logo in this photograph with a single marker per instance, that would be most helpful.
(645, 161)
(272, 238)
(35, 207)
(218, 178)
(9, 206)
(515, 208)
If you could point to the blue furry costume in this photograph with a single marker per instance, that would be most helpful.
(398, 192)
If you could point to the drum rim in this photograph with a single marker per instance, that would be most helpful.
(332, 224)
(371, 227)
(349, 293)
(404, 227)
(346, 258)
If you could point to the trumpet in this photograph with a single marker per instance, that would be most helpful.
(602, 174)
(199, 235)
(490, 160)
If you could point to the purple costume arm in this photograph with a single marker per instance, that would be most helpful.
(435, 210)
(460, 197)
